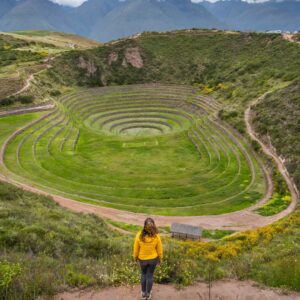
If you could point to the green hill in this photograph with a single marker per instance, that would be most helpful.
(26, 53)
(192, 57)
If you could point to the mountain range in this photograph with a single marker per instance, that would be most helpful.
(111, 19)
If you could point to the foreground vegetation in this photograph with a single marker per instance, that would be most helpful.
(45, 249)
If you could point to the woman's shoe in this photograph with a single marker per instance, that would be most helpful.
(149, 296)
(143, 296)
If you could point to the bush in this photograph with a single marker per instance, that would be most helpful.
(7, 101)
(8, 272)
(79, 280)
(25, 99)
(55, 93)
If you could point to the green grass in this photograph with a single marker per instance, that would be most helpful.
(135, 228)
(193, 167)
(34, 32)
(216, 234)
(275, 204)
(11, 123)
(128, 227)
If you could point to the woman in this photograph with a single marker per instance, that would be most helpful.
(148, 252)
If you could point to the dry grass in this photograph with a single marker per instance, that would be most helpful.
(61, 40)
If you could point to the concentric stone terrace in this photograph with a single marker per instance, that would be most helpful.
(143, 148)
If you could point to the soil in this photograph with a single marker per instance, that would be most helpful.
(289, 37)
(134, 58)
(221, 290)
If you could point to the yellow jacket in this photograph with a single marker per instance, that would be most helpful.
(148, 249)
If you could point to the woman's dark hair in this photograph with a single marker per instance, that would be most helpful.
(149, 229)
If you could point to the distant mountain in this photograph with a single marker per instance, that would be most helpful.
(110, 19)
(6, 6)
(134, 16)
(271, 15)
(35, 14)
(86, 16)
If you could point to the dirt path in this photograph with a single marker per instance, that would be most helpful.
(239, 220)
(25, 87)
(221, 290)
(25, 110)
(267, 150)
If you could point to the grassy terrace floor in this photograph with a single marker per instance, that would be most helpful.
(144, 148)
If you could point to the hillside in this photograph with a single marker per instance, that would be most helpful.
(221, 64)
(205, 57)
(58, 39)
(27, 53)
(16, 62)
(277, 119)
(45, 249)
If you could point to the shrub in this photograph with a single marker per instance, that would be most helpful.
(8, 272)
(55, 93)
(78, 280)
(25, 99)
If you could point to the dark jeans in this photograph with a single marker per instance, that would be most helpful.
(147, 271)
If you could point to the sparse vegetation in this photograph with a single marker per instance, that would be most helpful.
(280, 199)
(9, 54)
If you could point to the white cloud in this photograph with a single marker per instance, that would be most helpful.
(69, 2)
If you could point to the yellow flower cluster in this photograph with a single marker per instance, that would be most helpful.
(232, 245)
